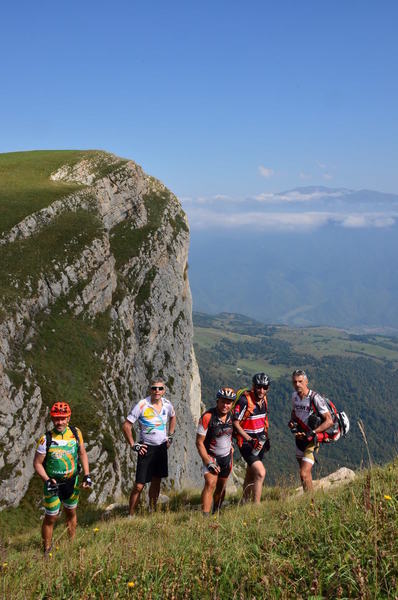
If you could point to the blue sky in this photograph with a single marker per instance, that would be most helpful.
(217, 98)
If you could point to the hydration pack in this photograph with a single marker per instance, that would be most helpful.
(341, 423)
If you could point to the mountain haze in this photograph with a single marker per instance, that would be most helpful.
(309, 256)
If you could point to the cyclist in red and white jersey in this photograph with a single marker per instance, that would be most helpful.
(250, 418)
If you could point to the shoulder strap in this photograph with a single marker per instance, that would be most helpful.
(75, 434)
(313, 393)
(49, 438)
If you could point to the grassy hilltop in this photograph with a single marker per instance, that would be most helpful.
(343, 544)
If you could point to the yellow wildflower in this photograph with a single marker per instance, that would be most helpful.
(96, 529)
(131, 584)
(386, 497)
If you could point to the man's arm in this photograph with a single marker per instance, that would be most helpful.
(84, 459)
(327, 422)
(206, 458)
(38, 465)
(241, 431)
(172, 424)
(127, 429)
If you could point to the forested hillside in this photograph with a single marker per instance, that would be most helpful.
(358, 372)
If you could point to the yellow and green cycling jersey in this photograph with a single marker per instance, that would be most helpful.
(62, 457)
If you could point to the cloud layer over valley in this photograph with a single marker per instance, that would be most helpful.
(299, 209)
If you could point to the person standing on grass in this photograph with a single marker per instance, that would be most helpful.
(152, 413)
(250, 419)
(56, 462)
(214, 444)
(305, 430)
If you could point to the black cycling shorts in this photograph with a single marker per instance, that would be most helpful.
(246, 451)
(152, 464)
(225, 464)
(66, 488)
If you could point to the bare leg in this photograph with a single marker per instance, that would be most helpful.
(219, 493)
(71, 521)
(248, 486)
(154, 490)
(257, 475)
(306, 475)
(135, 496)
(47, 529)
(208, 491)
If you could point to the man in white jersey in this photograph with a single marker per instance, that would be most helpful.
(303, 403)
(152, 414)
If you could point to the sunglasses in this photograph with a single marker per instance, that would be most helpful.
(262, 387)
(156, 388)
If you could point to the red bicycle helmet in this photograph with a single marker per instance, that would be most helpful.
(60, 409)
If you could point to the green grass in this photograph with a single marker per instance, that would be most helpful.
(338, 545)
(24, 260)
(25, 186)
(66, 358)
(256, 365)
(322, 341)
(208, 337)
(127, 241)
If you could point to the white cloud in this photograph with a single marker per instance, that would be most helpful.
(327, 176)
(298, 196)
(305, 176)
(368, 220)
(222, 197)
(287, 221)
(265, 171)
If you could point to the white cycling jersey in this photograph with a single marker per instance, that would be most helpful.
(302, 406)
(152, 424)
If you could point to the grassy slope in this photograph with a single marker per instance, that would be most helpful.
(338, 545)
(25, 184)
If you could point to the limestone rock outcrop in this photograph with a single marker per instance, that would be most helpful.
(113, 307)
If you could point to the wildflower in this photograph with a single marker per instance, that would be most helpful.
(96, 529)
(131, 584)
(386, 497)
(5, 565)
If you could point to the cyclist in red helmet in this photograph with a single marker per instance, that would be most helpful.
(214, 444)
(56, 461)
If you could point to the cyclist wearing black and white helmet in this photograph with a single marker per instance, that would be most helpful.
(250, 417)
(214, 444)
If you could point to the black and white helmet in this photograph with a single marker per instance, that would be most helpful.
(261, 379)
(227, 393)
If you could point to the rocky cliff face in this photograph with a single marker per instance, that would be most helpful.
(95, 301)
